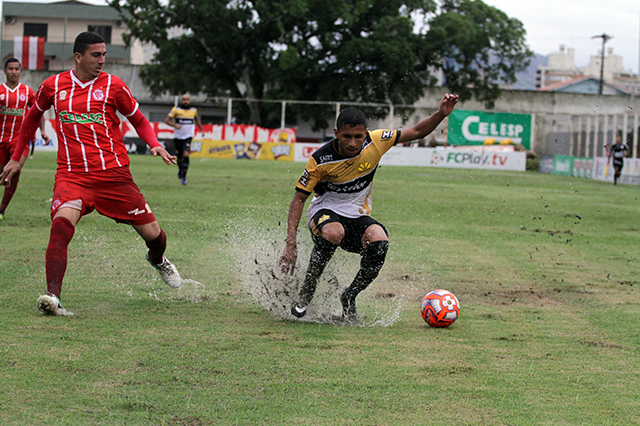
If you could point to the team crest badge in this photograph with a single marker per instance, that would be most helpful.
(2, 97)
(63, 95)
(23, 98)
(98, 95)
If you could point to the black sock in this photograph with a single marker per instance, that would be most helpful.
(372, 260)
(322, 252)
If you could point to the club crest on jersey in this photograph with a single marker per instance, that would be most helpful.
(2, 97)
(70, 117)
(366, 166)
(63, 95)
(98, 95)
(23, 97)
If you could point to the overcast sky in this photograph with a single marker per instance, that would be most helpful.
(573, 23)
(550, 23)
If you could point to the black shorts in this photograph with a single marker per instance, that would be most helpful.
(182, 145)
(354, 229)
(618, 163)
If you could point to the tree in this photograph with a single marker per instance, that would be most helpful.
(356, 50)
(476, 46)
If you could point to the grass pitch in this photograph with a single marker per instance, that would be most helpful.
(545, 268)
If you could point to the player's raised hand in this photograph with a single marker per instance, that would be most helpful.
(447, 103)
(166, 157)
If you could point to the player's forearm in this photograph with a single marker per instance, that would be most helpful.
(428, 125)
(143, 129)
(27, 131)
(293, 221)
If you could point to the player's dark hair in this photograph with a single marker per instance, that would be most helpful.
(84, 40)
(351, 117)
(10, 60)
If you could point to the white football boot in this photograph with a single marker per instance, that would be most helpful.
(168, 272)
(50, 305)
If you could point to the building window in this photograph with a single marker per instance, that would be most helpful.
(103, 30)
(35, 30)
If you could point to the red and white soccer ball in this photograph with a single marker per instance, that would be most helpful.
(440, 308)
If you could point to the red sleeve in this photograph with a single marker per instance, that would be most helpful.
(28, 129)
(143, 128)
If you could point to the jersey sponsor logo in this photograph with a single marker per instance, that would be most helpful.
(356, 185)
(98, 95)
(387, 134)
(84, 118)
(11, 111)
(304, 179)
(326, 158)
(364, 167)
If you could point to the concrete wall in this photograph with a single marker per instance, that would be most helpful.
(557, 115)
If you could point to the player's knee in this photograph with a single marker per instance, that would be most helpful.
(333, 232)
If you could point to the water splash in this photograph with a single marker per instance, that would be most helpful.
(256, 247)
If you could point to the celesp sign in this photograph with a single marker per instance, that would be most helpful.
(475, 127)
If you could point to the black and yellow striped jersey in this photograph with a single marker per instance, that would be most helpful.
(343, 184)
(186, 117)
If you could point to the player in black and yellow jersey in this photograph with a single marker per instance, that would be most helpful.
(340, 173)
(184, 119)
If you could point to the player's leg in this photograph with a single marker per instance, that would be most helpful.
(326, 240)
(178, 144)
(375, 245)
(9, 190)
(186, 150)
(156, 241)
(62, 230)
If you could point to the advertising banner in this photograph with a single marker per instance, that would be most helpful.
(476, 127)
(275, 151)
(563, 165)
(439, 157)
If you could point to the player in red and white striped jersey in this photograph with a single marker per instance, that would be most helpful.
(93, 166)
(15, 100)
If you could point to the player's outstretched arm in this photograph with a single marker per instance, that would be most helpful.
(430, 123)
(145, 131)
(290, 254)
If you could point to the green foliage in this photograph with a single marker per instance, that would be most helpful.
(477, 46)
(337, 50)
(545, 268)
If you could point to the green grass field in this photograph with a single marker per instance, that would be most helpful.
(545, 268)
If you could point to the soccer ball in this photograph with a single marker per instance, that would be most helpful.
(440, 308)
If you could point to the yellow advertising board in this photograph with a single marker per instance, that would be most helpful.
(274, 151)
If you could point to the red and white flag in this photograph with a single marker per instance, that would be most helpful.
(29, 51)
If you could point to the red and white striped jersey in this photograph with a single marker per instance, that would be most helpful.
(87, 125)
(14, 104)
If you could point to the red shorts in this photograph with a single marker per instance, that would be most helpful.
(112, 192)
(6, 151)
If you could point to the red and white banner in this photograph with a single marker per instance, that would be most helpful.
(29, 51)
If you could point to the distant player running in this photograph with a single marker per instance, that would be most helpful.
(93, 166)
(15, 100)
(184, 119)
(341, 175)
(618, 150)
